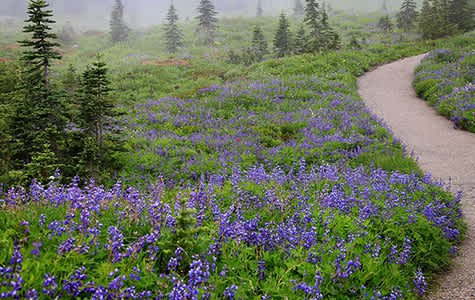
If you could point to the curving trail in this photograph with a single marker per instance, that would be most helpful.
(446, 153)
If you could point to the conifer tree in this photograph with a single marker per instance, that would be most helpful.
(38, 116)
(118, 29)
(260, 11)
(329, 38)
(424, 20)
(385, 24)
(407, 16)
(462, 14)
(40, 49)
(312, 19)
(207, 21)
(173, 34)
(300, 41)
(299, 10)
(384, 7)
(259, 43)
(96, 117)
(434, 21)
(282, 40)
(94, 105)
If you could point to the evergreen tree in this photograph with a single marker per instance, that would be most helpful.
(434, 21)
(312, 19)
(300, 41)
(424, 20)
(70, 80)
(407, 16)
(259, 43)
(384, 7)
(9, 76)
(40, 49)
(385, 24)
(38, 113)
(96, 118)
(207, 21)
(260, 11)
(299, 10)
(329, 38)
(118, 30)
(282, 40)
(462, 14)
(173, 34)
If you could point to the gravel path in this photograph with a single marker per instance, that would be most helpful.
(446, 153)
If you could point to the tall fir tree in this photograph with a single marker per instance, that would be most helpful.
(173, 35)
(424, 20)
(384, 6)
(407, 16)
(260, 10)
(462, 14)
(300, 44)
(434, 20)
(259, 43)
(329, 38)
(118, 29)
(299, 10)
(312, 19)
(96, 118)
(40, 48)
(385, 24)
(38, 119)
(207, 21)
(282, 40)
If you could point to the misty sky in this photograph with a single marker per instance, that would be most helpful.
(148, 12)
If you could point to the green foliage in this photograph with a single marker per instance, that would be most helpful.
(38, 114)
(407, 16)
(206, 29)
(70, 80)
(118, 29)
(462, 14)
(39, 52)
(445, 79)
(259, 44)
(322, 37)
(434, 21)
(283, 39)
(354, 44)
(173, 35)
(96, 120)
(385, 24)
(300, 44)
(43, 165)
(183, 238)
(312, 19)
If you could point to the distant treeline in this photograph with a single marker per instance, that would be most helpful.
(144, 8)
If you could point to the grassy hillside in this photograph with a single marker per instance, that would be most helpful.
(269, 181)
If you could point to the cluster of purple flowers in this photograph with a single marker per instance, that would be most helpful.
(332, 216)
(271, 122)
(450, 78)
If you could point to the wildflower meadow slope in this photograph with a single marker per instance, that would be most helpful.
(278, 186)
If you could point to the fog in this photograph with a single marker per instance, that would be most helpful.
(139, 13)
